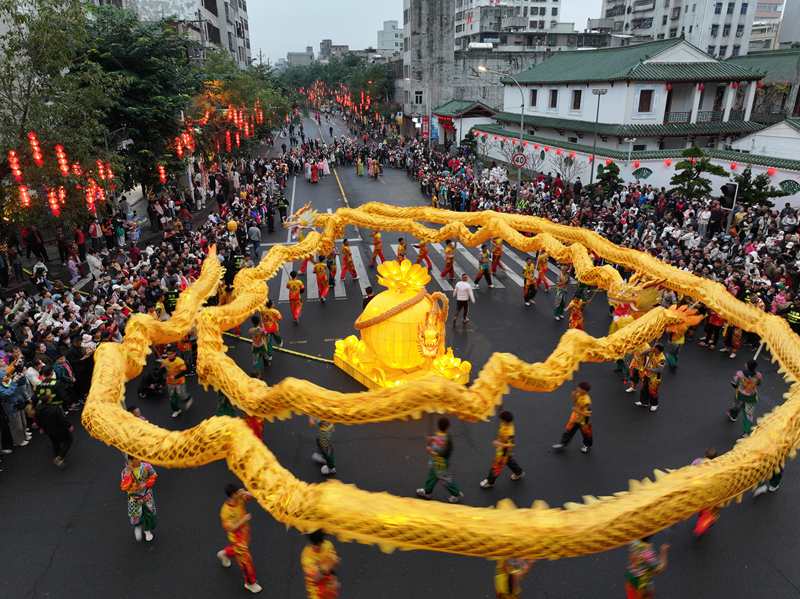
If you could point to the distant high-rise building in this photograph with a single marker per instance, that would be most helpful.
(428, 33)
(218, 23)
(489, 21)
(390, 39)
(766, 25)
(790, 27)
(720, 28)
(300, 59)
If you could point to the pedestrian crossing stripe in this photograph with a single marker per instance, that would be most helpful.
(464, 254)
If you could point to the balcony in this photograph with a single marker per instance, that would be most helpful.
(704, 116)
(768, 118)
(513, 23)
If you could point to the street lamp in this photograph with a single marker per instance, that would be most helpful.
(599, 92)
(484, 69)
(631, 141)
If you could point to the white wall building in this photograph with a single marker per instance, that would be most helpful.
(483, 20)
(390, 39)
(790, 27)
(721, 28)
(659, 99)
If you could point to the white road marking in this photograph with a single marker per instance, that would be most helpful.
(312, 289)
(338, 289)
(465, 253)
(435, 273)
(284, 292)
(363, 276)
(291, 208)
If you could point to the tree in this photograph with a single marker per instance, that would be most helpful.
(49, 87)
(567, 167)
(689, 180)
(157, 81)
(535, 159)
(608, 178)
(756, 191)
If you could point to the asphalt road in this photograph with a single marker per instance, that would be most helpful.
(64, 533)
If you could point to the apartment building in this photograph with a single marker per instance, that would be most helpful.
(483, 21)
(721, 28)
(221, 24)
(390, 39)
(767, 25)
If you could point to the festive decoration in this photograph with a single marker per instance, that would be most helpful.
(598, 524)
(109, 172)
(228, 144)
(13, 165)
(232, 226)
(238, 139)
(162, 174)
(559, 151)
(90, 192)
(179, 147)
(669, 87)
(701, 86)
(572, 155)
(637, 164)
(772, 171)
(402, 331)
(609, 162)
(62, 195)
(36, 151)
(24, 196)
(76, 169)
(52, 202)
(101, 170)
(734, 166)
(62, 160)
(668, 162)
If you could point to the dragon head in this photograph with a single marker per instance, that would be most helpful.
(639, 292)
(304, 218)
(685, 317)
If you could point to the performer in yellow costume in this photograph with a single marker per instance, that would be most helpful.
(319, 562)
(296, 289)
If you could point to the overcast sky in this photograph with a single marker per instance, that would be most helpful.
(280, 27)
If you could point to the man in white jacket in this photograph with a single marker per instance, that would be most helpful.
(464, 295)
(95, 265)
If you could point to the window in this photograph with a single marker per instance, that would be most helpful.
(714, 30)
(736, 50)
(211, 6)
(572, 140)
(554, 12)
(744, 8)
(213, 34)
(577, 96)
(718, 8)
(673, 32)
(731, 6)
(646, 100)
(726, 31)
(664, 19)
(690, 28)
(534, 96)
(660, 36)
(712, 49)
(553, 98)
(723, 51)
(417, 97)
(739, 30)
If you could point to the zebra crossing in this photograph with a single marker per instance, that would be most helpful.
(466, 261)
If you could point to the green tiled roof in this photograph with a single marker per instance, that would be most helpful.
(794, 123)
(455, 108)
(668, 130)
(779, 65)
(627, 64)
(741, 157)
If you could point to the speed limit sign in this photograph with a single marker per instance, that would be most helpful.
(519, 160)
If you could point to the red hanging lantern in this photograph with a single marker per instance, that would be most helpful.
(246, 130)
(101, 170)
(36, 151)
(162, 174)
(734, 85)
(13, 164)
(701, 86)
(559, 151)
(609, 162)
(772, 171)
(760, 84)
(734, 166)
(228, 144)
(525, 144)
(24, 196)
(101, 193)
(547, 148)
(668, 162)
(590, 158)
(61, 159)
(179, 147)
(238, 139)
(76, 169)
(62, 195)
(636, 164)
(90, 195)
(536, 146)
(692, 161)
(572, 155)
(52, 202)
(109, 172)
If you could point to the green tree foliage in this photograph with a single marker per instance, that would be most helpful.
(157, 81)
(756, 191)
(690, 179)
(608, 178)
(48, 86)
(351, 70)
